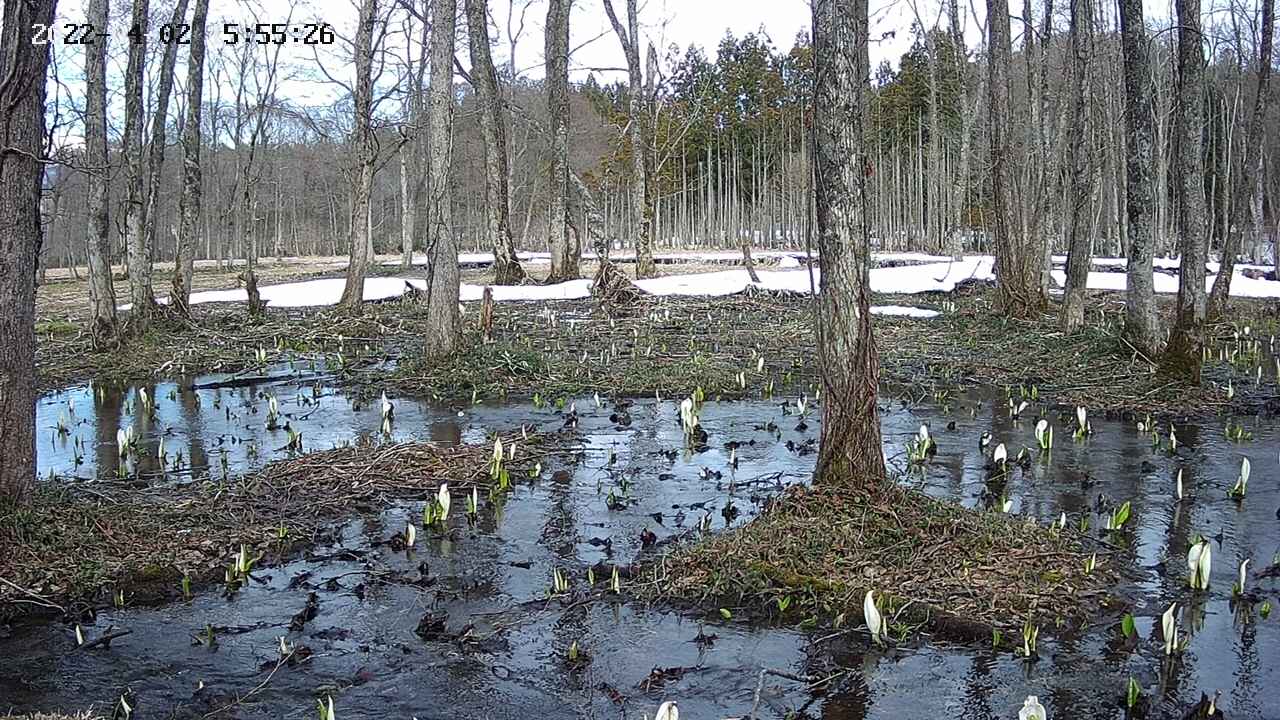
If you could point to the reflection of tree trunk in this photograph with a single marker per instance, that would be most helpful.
(1182, 356)
(22, 135)
(102, 294)
(189, 203)
(850, 449)
(507, 270)
(106, 422)
(1141, 327)
(196, 455)
(1248, 186)
(444, 332)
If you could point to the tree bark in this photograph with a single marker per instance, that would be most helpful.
(1079, 235)
(1182, 356)
(22, 131)
(1248, 178)
(444, 330)
(637, 117)
(366, 152)
(850, 451)
(102, 293)
(564, 263)
(137, 252)
(1018, 261)
(507, 270)
(156, 144)
(189, 202)
(1141, 326)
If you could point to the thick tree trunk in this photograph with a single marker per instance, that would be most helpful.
(192, 189)
(564, 263)
(1248, 179)
(444, 330)
(1079, 235)
(637, 117)
(506, 266)
(1018, 261)
(850, 451)
(22, 130)
(1141, 326)
(365, 152)
(137, 252)
(102, 293)
(1182, 356)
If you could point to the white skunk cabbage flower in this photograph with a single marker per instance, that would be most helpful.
(667, 711)
(410, 534)
(1179, 483)
(1240, 576)
(1082, 417)
(386, 405)
(1242, 482)
(875, 622)
(442, 497)
(1032, 709)
(1001, 455)
(760, 364)
(122, 442)
(1199, 562)
(1170, 629)
(687, 419)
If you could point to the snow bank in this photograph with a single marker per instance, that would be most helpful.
(940, 276)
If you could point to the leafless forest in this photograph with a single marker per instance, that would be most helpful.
(725, 157)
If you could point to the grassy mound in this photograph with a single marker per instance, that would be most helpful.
(74, 542)
(957, 572)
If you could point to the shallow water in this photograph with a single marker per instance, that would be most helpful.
(495, 575)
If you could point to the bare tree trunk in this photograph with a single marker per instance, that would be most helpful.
(1018, 262)
(637, 113)
(1080, 237)
(506, 266)
(1141, 326)
(1247, 186)
(408, 204)
(366, 151)
(444, 330)
(22, 131)
(189, 203)
(850, 450)
(564, 263)
(1182, 356)
(102, 294)
(138, 254)
(156, 146)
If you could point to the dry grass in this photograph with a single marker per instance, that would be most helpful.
(72, 543)
(956, 572)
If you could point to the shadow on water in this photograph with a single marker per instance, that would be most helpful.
(501, 649)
